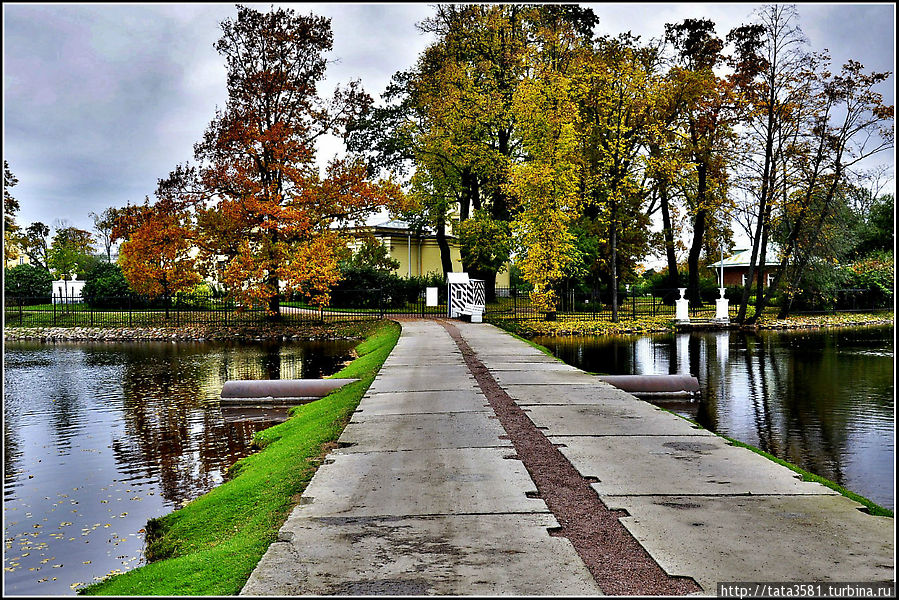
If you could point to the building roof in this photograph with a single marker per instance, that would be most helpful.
(741, 256)
(383, 224)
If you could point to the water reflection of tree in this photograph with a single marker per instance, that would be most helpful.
(171, 433)
(166, 423)
(65, 393)
(755, 356)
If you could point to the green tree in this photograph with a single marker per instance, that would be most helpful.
(485, 243)
(27, 281)
(371, 254)
(105, 286)
(71, 253)
(616, 93)
(10, 208)
(34, 244)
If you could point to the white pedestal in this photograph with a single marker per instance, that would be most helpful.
(681, 314)
(721, 308)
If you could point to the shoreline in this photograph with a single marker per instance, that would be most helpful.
(651, 325)
(329, 330)
(312, 331)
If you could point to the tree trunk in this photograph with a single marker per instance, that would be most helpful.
(699, 227)
(767, 169)
(445, 258)
(668, 231)
(489, 278)
(613, 239)
(760, 295)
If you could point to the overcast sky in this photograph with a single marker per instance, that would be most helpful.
(101, 100)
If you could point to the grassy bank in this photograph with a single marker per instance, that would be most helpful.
(663, 323)
(872, 507)
(211, 546)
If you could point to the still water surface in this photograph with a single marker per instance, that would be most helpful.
(100, 437)
(821, 399)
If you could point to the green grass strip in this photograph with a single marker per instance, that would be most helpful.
(211, 546)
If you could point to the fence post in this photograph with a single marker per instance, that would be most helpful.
(515, 304)
(54, 309)
(129, 310)
(381, 302)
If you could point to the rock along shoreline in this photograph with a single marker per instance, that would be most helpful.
(171, 334)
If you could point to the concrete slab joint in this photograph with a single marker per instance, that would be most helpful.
(433, 489)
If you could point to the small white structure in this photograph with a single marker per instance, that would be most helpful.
(721, 308)
(680, 308)
(431, 296)
(67, 292)
(465, 297)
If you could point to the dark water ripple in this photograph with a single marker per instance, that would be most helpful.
(821, 399)
(100, 437)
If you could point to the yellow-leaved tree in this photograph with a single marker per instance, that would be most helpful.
(546, 184)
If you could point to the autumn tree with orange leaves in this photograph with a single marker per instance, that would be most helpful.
(256, 196)
(156, 258)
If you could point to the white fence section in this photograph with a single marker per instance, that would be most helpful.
(67, 292)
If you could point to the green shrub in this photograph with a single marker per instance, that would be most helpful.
(27, 281)
(365, 287)
(106, 287)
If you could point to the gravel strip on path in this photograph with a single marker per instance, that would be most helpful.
(618, 563)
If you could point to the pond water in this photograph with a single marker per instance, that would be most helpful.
(821, 399)
(100, 437)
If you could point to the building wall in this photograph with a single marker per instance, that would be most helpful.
(425, 257)
(735, 275)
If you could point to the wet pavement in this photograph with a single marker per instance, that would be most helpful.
(427, 496)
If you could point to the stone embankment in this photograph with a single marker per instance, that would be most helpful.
(165, 334)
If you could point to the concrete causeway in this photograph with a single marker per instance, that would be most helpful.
(426, 494)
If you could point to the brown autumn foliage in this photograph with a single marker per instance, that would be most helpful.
(156, 257)
(256, 197)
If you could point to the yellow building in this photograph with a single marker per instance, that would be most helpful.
(20, 257)
(418, 254)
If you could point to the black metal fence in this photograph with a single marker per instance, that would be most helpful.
(185, 310)
(515, 305)
(595, 305)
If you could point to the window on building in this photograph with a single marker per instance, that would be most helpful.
(743, 279)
